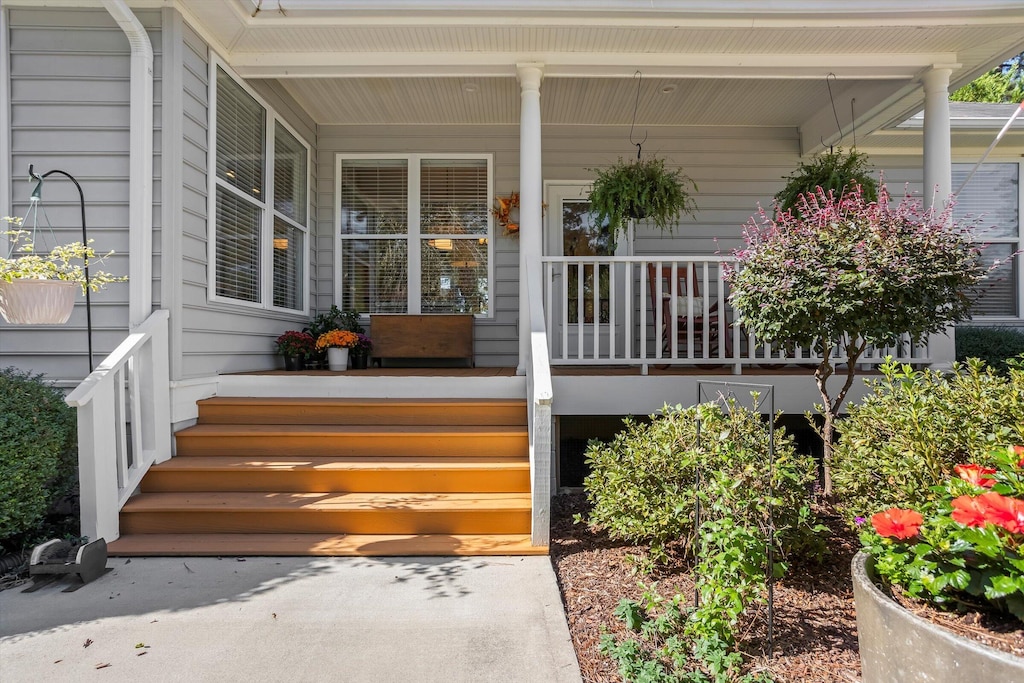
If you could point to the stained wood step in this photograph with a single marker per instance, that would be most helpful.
(334, 513)
(349, 440)
(361, 411)
(439, 474)
(323, 544)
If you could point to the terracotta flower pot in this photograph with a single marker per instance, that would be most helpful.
(898, 647)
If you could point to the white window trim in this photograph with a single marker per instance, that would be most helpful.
(413, 235)
(266, 203)
(1016, 263)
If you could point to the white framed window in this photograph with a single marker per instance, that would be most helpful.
(259, 192)
(415, 233)
(994, 194)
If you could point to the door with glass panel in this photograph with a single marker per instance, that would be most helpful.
(581, 299)
(414, 234)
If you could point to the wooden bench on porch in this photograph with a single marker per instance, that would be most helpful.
(428, 336)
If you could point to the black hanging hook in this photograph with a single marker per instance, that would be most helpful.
(834, 113)
(636, 105)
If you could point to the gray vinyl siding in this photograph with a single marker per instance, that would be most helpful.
(734, 168)
(217, 337)
(69, 108)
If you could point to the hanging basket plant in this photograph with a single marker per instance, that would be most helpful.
(40, 288)
(641, 190)
(834, 171)
(37, 302)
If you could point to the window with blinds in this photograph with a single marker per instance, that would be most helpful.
(415, 234)
(993, 197)
(260, 174)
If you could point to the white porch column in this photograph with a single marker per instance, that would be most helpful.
(938, 169)
(530, 194)
(938, 181)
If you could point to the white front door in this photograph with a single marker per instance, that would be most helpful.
(581, 300)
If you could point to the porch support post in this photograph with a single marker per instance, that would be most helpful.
(530, 196)
(938, 168)
(938, 181)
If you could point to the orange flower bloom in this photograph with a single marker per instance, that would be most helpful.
(337, 338)
(976, 474)
(968, 511)
(897, 523)
(1003, 511)
(1019, 451)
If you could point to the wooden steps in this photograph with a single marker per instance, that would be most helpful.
(441, 474)
(354, 440)
(259, 476)
(353, 411)
(325, 544)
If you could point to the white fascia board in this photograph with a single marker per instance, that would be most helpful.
(583, 65)
(629, 13)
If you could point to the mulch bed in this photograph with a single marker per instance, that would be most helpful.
(815, 633)
(815, 624)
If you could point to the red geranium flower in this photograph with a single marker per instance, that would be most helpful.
(976, 474)
(1019, 450)
(1003, 511)
(897, 523)
(968, 511)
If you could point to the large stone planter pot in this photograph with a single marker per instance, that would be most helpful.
(898, 647)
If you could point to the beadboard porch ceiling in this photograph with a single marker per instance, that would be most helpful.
(728, 62)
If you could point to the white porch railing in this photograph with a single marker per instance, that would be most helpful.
(124, 424)
(539, 395)
(610, 310)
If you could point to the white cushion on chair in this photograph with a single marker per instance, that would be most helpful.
(698, 305)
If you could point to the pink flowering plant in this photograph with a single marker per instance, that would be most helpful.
(840, 273)
(964, 551)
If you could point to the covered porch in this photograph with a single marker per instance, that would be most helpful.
(294, 145)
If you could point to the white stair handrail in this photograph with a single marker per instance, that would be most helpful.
(539, 397)
(124, 424)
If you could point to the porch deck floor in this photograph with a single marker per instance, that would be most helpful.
(556, 370)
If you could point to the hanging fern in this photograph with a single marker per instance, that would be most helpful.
(641, 189)
(830, 171)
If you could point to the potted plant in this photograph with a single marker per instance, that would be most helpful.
(834, 171)
(40, 288)
(337, 344)
(333, 319)
(361, 352)
(641, 189)
(295, 346)
(964, 551)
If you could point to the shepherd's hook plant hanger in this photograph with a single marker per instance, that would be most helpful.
(35, 204)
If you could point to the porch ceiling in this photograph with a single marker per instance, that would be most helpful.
(731, 62)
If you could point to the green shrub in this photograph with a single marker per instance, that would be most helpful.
(669, 643)
(914, 427)
(994, 345)
(38, 463)
(643, 484)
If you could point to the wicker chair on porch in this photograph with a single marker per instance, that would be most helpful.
(676, 288)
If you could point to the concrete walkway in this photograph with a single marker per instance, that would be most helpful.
(294, 619)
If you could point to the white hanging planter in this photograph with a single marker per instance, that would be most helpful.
(337, 359)
(37, 302)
